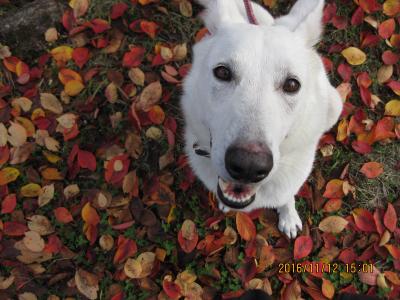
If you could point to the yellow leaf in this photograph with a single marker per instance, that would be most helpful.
(31, 190)
(392, 108)
(342, 130)
(354, 56)
(27, 124)
(150, 96)
(8, 175)
(3, 135)
(62, 53)
(73, 87)
(46, 194)
(51, 157)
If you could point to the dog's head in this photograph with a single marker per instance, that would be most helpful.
(247, 88)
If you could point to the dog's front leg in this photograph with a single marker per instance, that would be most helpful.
(289, 219)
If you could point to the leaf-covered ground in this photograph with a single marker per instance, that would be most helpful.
(98, 201)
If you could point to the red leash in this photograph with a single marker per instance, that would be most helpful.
(250, 12)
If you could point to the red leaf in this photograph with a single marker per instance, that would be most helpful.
(395, 86)
(188, 236)
(245, 226)
(361, 147)
(386, 28)
(378, 221)
(366, 96)
(53, 245)
(364, 220)
(80, 56)
(248, 270)
(99, 25)
(63, 215)
(86, 160)
(339, 22)
(390, 58)
(14, 228)
(302, 247)
(329, 12)
(364, 80)
(372, 169)
(134, 57)
(347, 256)
(114, 174)
(125, 248)
(172, 290)
(390, 218)
(9, 203)
(369, 6)
(345, 72)
(358, 17)
(118, 9)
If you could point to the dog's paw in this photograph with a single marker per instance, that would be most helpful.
(289, 222)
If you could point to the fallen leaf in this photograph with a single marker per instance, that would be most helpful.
(303, 246)
(354, 56)
(372, 169)
(333, 224)
(245, 226)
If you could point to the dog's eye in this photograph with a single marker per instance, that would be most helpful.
(223, 73)
(291, 86)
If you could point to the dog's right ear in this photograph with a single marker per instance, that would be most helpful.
(218, 12)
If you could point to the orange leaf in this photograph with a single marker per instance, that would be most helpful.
(302, 247)
(393, 250)
(89, 215)
(11, 63)
(90, 232)
(63, 215)
(66, 75)
(8, 175)
(245, 226)
(52, 174)
(334, 189)
(150, 28)
(328, 290)
(386, 28)
(333, 205)
(74, 87)
(125, 248)
(391, 7)
(372, 169)
(156, 115)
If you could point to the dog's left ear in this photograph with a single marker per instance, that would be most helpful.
(305, 18)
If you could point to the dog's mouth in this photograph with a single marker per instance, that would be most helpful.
(235, 195)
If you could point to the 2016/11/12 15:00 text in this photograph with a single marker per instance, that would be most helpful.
(325, 267)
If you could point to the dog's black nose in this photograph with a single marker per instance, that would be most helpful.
(250, 162)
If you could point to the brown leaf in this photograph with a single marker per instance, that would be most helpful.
(87, 284)
(150, 96)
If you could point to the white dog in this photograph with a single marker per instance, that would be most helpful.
(256, 103)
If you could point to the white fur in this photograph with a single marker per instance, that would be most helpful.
(253, 105)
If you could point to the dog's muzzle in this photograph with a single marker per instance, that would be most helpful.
(236, 195)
